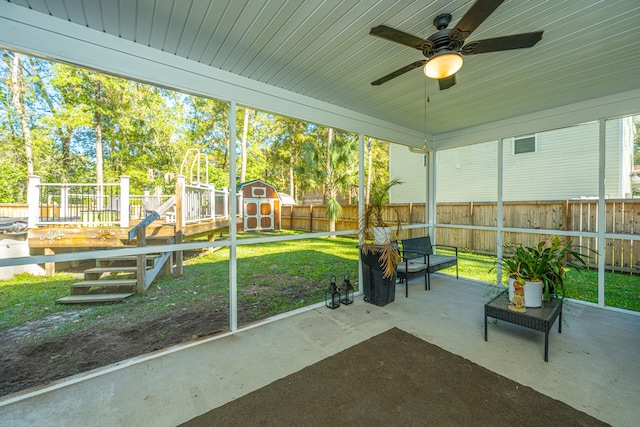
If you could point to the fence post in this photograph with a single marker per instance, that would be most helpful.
(124, 201)
(311, 218)
(141, 273)
(471, 231)
(226, 201)
(33, 201)
(64, 204)
(212, 202)
(180, 210)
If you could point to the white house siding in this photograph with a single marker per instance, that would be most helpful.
(468, 174)
(410, 168)
(564, 166)
(628, 131)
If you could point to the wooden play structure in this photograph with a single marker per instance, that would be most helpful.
(83, 217)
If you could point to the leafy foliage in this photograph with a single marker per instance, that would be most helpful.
(85, 125)
(330, 166)
(547, 262)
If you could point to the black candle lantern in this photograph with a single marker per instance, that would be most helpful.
(346, 292)
(332, 295)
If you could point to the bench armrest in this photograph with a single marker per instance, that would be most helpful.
(447, 247)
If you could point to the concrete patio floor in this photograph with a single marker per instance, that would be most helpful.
(594, 365)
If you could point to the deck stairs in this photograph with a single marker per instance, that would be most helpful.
(113, 279)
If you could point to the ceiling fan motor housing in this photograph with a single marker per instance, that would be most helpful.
(442, 21)
(441, 39)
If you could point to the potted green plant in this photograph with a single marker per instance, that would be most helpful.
(379, 251)
(542, 268)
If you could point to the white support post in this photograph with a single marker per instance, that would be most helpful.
(124, 201)
(99, 198)
(182, 207)
(33, 201)
(212, 202)
(602, 212)
(180, 202)
(64, 204)
(430, 209)
(233, 264)
(227, 196)
(499, 209)
(360, 204)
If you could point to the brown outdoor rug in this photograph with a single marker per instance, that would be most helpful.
(395, 379)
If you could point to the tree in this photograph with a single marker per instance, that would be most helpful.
(377, 168)
(282, 139)
(18, 104)
(331, 165)
(243, 146)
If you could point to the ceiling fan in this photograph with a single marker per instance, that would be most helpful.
(444, 48)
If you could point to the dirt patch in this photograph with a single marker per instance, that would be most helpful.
(25, 364)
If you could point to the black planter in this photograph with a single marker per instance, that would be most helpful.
(377, 290)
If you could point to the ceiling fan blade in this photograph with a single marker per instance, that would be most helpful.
(516, 41)
(397, 36)
(447, 82)
(399, 72)
(475, 16)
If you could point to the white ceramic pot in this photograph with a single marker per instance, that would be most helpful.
(380, 235)
(532, 293)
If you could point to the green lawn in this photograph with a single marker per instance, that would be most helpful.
(621, 290)
(272, 278)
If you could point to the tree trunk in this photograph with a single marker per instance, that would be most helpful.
(99, 149)
(243, 147)
(291, 178)
(292, 164)
(331, 190)
(369, 172)
(63, 133)
(16, 87)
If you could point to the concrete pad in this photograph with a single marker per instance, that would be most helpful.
(593, 365)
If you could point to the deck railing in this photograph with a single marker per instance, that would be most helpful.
(96, 205)
(140, 206)
(90, 204)
(205, 202)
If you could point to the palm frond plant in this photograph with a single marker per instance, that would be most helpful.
(373, 222)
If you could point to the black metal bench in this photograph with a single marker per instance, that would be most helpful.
(418, 258)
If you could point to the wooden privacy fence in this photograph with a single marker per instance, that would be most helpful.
(14, 210)
(314, 218)
(622, 217)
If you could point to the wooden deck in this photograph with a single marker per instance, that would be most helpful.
(113, 236)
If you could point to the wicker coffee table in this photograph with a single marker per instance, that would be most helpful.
(540, 319)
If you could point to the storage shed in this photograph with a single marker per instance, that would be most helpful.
(261, 206)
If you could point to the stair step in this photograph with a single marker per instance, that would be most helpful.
(112, 270)
(129, 257)
(101, 283)
(128, 261)
(90, 299)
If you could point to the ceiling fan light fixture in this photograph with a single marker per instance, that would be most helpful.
(443, 64)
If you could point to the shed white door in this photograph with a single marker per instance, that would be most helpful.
(258, 214)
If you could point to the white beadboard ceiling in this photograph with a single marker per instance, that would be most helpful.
(322, 49)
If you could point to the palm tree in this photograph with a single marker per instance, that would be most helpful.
(331, 165)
